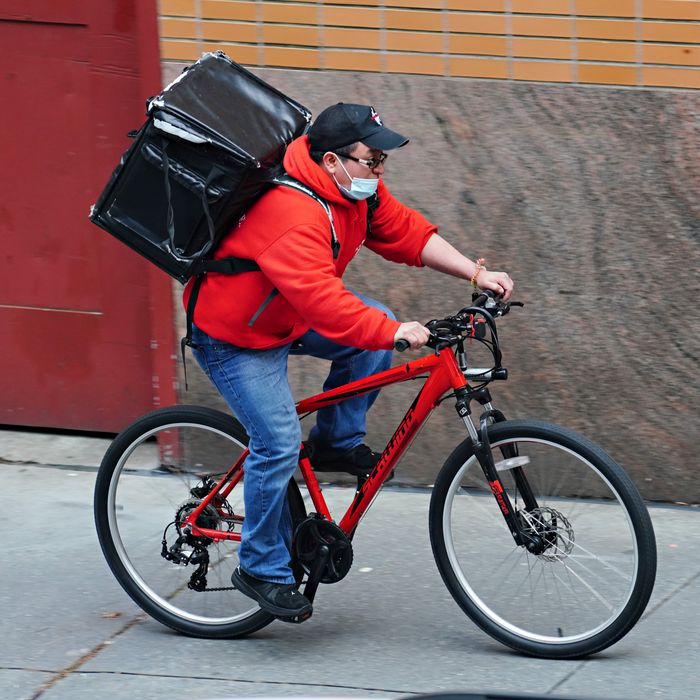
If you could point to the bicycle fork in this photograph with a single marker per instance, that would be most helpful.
(522, 535)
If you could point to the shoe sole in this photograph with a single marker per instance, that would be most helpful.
(265, 605)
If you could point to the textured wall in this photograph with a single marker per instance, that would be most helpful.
(626, 42)
(590, 198)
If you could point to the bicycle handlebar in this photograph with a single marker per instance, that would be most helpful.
(466, 324)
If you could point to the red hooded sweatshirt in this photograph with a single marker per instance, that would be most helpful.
(287, 233)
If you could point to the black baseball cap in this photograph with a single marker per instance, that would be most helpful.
(342, 124)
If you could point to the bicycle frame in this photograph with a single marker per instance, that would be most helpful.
(444, 376)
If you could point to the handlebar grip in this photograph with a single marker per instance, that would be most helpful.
(401, 345)
(482, 296)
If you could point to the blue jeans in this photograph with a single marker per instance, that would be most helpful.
(255, 386)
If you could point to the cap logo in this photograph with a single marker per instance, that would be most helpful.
(374, 116)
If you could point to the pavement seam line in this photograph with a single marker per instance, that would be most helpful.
(28, 669)
(248, 680)
(42, 465)
(647, 613)
(650, 611)
(567, 677)
(68, 670)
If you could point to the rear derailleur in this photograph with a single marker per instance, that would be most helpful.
(198, 554)
(188, 548)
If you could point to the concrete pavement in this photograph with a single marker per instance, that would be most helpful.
(390, 629)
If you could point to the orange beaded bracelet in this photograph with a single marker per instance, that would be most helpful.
(479, 267)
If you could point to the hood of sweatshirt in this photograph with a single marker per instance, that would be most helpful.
(299, 164)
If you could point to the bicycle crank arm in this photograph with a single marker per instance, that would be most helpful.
(319, 566)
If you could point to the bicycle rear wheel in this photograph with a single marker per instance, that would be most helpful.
(144, 487)
(590, 585)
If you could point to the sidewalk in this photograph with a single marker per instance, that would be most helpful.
(390, 629)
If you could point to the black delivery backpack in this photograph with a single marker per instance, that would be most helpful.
(213, 141)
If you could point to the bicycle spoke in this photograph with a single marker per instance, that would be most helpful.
(585, 574)
(149, 501)
(589, 555)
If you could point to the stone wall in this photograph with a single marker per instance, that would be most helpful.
(590, 198)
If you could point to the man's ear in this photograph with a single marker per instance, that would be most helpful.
(330, 161)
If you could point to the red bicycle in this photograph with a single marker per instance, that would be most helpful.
(540, 537)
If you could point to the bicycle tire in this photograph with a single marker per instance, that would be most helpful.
(602, 563)
(140, 487)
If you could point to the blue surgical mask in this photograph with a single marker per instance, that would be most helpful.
(360, 188)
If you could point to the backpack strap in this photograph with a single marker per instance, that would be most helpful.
(372, 204)
(234, 266)
(289, 181)
(285, 180)
(225, 266)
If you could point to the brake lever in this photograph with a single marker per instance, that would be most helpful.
(503, 309)
(439, 342)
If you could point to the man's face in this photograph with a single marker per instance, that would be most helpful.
(334, 165)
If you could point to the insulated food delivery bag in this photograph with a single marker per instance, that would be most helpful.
(213, 140)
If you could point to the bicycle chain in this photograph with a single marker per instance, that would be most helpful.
(222, 588)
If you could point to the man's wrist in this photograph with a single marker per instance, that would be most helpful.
(479, 265)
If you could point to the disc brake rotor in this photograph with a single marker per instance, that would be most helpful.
(554, 529)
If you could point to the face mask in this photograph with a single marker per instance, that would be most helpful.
(360, 188)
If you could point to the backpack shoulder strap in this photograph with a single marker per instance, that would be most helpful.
(289, 181)
(372, 204)
(232, 266)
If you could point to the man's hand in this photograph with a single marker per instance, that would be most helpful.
(498, 282)
(414, 333)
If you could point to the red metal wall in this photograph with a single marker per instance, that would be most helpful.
(85, 324)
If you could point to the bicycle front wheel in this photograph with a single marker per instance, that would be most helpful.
(153, 475)
(589, 586)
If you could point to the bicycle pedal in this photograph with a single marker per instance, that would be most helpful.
(296, 619)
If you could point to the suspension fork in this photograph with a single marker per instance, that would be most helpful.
(482, 451)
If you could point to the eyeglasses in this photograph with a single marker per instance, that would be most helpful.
(372, 163)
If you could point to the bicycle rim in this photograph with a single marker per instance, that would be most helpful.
(585, 586)
(149, 490)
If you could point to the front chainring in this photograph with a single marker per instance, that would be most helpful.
(310, 535)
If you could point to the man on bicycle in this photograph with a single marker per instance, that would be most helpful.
(246, 325)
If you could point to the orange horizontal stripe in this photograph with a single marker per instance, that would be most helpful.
(666, 53)
(177, 7)
(478, 67)
(616, 51)
(607, 75)
(543, 71)
(352, 60)
(225, 9)
(351, 38)
(671, 9)
(408, 63)
(671, 77)
(542, 48)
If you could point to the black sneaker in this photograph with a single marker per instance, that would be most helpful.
(358, 461)
(279, 599)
